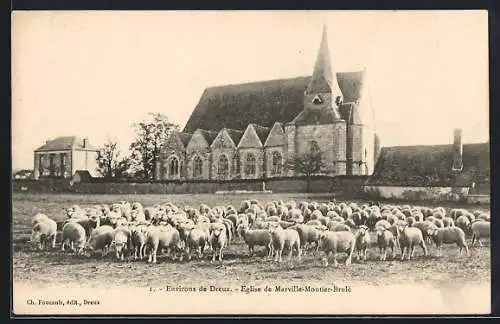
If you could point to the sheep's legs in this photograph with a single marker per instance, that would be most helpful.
(403, 249)
(54, 241)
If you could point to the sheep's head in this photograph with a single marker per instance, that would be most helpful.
(363, 230)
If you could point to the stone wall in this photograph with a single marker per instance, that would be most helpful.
(416, 193)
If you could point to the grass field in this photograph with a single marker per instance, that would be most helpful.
(55, 267)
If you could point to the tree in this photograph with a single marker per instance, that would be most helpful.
(308, 163)
(150, 136)
(110, 161)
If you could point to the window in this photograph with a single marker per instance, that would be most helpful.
(197, 167)
(174, 166)
(277, 163)
(63, 164)
(223, 166)
(40, 164)
(250, 164)
(52, 168)
(235, 165)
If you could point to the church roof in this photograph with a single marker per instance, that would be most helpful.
(323, 80)
(185, 137)
(350, 113)
(235, 135)
(317, 117)
(66, 143)
(262, 103)
(262, 132)
(431, 165)
(208, 135)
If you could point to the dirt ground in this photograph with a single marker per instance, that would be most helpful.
(41, 269)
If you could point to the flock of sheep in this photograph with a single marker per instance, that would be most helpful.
(137, 232)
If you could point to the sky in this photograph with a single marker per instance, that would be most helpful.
(93, 74)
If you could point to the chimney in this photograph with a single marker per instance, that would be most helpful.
(457, 150)
(85, 142)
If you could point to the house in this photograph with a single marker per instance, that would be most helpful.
(61, 157)
(432, 171)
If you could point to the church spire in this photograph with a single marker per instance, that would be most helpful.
(324, 80)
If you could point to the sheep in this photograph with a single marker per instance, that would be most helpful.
(463, 222)
(340, 228)
(448, 235)
(162, 237)
(121, 242)
(337, 242)
(308, 234)
(346, 212)
(218, 241)
(44, 232)
(408, 238)
(438, 222)
(138, 240)
(424, 228)
(479, 230)
(382, 224)
(448, 222)
(196, 240)
(282, 238)
(313, 222)
(362, 242)
(74, 235)
(256, 237)
(75, 212)
(38, 218)
(410, 220)
(137, 215)
(100, 239)
(385, 239)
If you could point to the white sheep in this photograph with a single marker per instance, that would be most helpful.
(337, 242)
(408, 238)
(385, 239)
(44, 232)
(480, 229)
(256, 237)
(362, 242)
(74, 235)
(284, 238)
(448, 235)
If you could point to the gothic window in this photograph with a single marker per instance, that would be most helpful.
(174, 166)
(235, 165)
(197, 167)
(223, 165)
(277, 163)
(250, 164)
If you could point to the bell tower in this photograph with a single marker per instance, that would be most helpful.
(323, 90)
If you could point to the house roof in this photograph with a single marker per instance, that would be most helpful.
(66, 143)
(262, 103)
(431, 165)
(208, 135)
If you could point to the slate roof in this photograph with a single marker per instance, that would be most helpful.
(185, 137)
(317, 117)
(262, 103)
(208, 135)
(431, 165)
(66, 143)
(262, 132)
(235, 135)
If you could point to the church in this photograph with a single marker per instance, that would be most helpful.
(251, 130)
